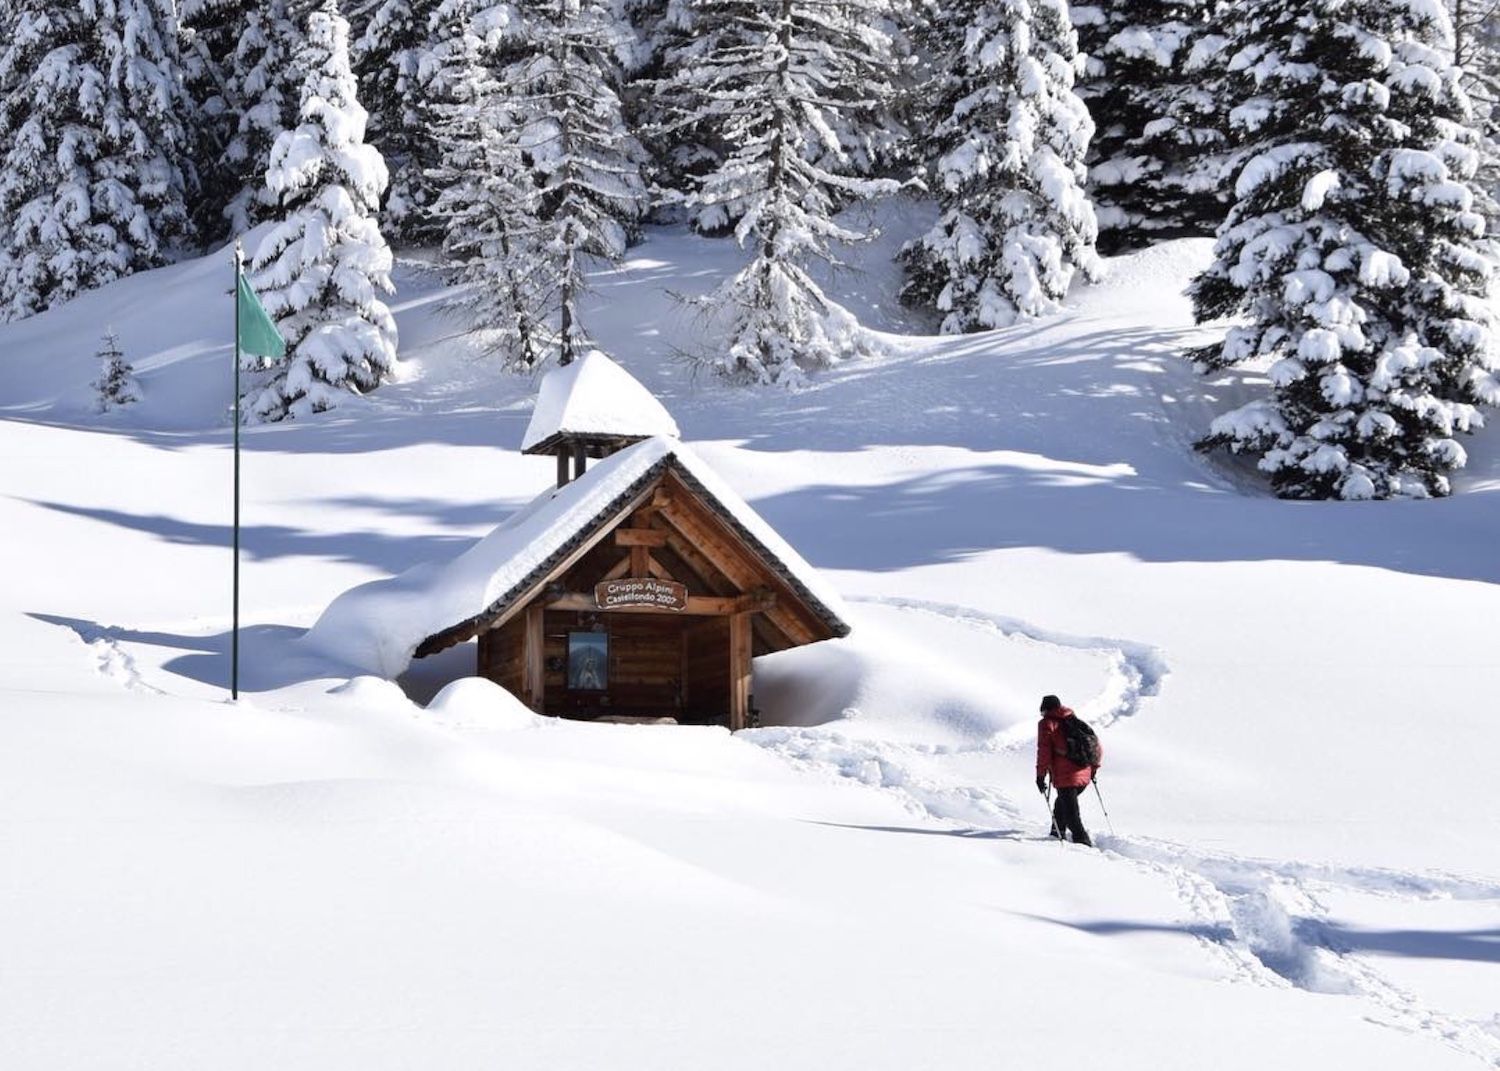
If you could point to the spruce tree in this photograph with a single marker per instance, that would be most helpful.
(587, 165)
(116, 385)
(1006, 153)
(1476, 51)
(246, 87)
(1155, 85)
(390, 58)
(865, 119)
(10, 17)
(838, 58)
(782, 87)
(659, 106)
(1354, 253)
(488, 208)
(321, 269)
(92, 144)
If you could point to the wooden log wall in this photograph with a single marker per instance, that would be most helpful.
(706, 653)
(645, 664)
(501, 655)
(693, 664)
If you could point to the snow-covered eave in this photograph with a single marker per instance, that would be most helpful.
(758, 535)
(550, 444)
(598, 526)
(381, 626)
(594, 399)
(733, 511)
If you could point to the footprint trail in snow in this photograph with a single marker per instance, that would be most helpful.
(1266, 920)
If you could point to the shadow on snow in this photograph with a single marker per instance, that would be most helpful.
(269, 656)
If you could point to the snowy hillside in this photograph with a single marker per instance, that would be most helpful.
(1297, 702)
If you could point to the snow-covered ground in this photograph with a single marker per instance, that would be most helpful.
(1297, 702)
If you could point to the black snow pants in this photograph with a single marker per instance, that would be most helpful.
(1065, 816)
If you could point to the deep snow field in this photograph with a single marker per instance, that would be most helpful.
(1298, 703)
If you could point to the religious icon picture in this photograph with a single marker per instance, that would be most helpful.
(588, 661)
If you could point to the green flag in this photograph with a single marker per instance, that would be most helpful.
(258, 334)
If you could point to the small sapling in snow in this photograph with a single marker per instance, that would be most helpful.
(116, 384)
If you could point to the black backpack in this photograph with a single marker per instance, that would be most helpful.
(1080, 743)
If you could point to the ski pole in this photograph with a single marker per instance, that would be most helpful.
(1103, 808)
(1052, 817)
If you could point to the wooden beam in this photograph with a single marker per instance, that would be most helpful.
(639, 556)
(731, 558)
(685, 573)
(619, 569)
(682, 545)
(657, 569)
(574, 557)
(770, 634)
(640, 537)
(723, 555)
(757, 601)
(697, 605)
(739, 671)
(533, 672)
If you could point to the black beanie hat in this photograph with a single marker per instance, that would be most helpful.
(1050, 702)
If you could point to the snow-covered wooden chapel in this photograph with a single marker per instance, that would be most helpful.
(640, 586)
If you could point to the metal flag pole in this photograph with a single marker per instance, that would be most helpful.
(234, 642)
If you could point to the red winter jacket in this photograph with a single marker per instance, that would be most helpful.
(1052, 752)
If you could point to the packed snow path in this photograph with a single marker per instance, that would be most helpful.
(1267, 919)
(1136, 670)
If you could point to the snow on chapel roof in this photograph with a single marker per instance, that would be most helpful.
(380, 625)
(594, 397)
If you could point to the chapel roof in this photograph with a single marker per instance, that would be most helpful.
(382, 625)
(594, 399)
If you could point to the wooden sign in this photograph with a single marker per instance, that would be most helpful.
(640, 591)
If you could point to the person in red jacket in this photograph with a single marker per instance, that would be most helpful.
(1068, 777)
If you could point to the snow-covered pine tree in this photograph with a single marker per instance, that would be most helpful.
(116, 385)
(1354, 253)
(406, 61)
(866, 120)
(320, 270)
(1006, 156)
(202, 78)
(659, 106)
(587, 164)
(359, 14)
(488, 208)
(762, 87)
(246, 90)
(388, 58)
(92, 145)
(210, 31)
(10, 17)
(850, 127)
(1476, 51)
(1154, 83)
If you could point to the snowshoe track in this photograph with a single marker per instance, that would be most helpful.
(1136, 670)
(1263, 919)
(1272, 912)
(113, 661)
